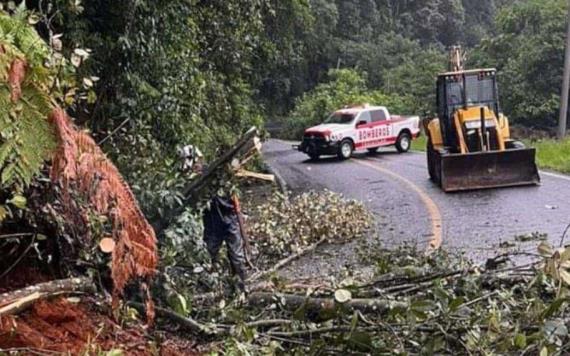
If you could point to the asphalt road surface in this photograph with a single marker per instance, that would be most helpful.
(411, 209)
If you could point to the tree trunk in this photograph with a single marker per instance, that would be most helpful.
(293, 302)
(18, 300)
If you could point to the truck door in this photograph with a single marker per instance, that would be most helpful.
(381, 126)
(363, 129)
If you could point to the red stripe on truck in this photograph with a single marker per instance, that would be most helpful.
(376, 143)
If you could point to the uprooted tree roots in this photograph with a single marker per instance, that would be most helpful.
(86, 191)
(80, 167)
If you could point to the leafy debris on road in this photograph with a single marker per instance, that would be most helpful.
(535, 236)
(281, 227)
(413, 304)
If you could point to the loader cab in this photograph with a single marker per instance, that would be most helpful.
(463, 90)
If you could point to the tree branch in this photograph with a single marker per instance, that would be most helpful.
(293, 302)
(18, 300)
(187, 322)
(286, 261)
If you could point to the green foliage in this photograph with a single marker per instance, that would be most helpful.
(420, 143)
(528, 51)
(185, 262)
(430, 304)
(415, 78)
(182, 89)
(369, 35)
(345, 87)
(281, 227)
(26, 137)
(553, 154)
(171, 73)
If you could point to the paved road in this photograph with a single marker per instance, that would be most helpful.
(410, 208)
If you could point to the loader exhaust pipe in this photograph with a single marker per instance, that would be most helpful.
(484, 142)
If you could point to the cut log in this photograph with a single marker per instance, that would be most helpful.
(247, 174)
(18, 300)
(294, 302)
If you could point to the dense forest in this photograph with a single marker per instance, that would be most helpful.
(169, 73)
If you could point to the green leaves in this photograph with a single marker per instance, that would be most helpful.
(553, 308)
(281, 227)
(179, 304)
(520, 341)
(18, 201)
(26, 137)
(527, 49)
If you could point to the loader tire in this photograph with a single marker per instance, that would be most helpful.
(431, 162)
(404, 142)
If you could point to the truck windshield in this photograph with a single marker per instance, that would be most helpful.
(338, 118)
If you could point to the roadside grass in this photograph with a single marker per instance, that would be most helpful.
(419, 144)
(552, 154)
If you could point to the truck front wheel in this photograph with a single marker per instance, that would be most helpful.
(345, 149)
(404, 142)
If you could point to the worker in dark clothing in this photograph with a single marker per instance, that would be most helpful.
(222, 224)
(222, 219)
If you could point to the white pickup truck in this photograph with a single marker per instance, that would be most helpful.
(358, 128)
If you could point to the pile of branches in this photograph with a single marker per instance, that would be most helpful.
(283, 227)
(280, 231)
(416, 304)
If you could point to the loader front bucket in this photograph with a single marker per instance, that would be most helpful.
(494, 169)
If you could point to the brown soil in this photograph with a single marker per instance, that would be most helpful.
(22, 276)
(61, 326)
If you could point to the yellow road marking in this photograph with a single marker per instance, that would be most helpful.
(433, 210)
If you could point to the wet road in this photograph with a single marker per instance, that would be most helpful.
(410, 208)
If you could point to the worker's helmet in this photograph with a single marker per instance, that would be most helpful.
(191, 157)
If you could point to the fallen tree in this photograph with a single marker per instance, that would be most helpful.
(317, 305)
(16, 301)
(83, 202)
(230, 162)
(421, 304)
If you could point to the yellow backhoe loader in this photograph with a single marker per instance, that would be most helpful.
(469, 145)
